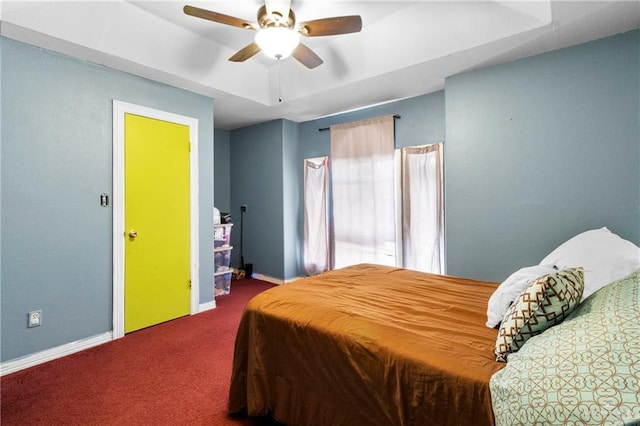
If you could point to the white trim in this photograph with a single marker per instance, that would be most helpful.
(207, 306)
(273, 280)
(53, 353)
(266, 278)
(119, 110)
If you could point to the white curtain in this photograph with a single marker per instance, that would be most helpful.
(423, 209)
(316, 216)
(363, 192)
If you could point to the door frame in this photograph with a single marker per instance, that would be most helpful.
(119, 110)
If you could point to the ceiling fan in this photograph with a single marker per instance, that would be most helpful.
(278, 33)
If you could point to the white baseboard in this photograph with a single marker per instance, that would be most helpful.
(207, 306)
(267, 278)
(273, 280)
(31, 360)
(50, 354)
(69, 348)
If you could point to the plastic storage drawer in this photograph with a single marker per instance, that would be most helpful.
(222, 284)
(222, 259)
(222, 235)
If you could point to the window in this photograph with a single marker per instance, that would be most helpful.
(386, 209)
(363, 192)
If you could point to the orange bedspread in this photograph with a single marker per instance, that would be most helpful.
(367, 345)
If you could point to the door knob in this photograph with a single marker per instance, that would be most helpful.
(133, 234)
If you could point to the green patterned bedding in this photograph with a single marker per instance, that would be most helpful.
(585, 370)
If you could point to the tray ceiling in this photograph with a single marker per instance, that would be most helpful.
(405, 49)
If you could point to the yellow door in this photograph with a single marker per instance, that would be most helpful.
(156, 216)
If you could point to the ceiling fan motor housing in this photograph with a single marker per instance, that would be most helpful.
(275, 19)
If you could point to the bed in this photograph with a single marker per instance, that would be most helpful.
(367, 345)
(376, 345)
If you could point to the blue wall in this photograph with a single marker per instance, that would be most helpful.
(292, 201)
(56, 161)
(257, 181)
(422, 122)
(536, 151)
(279, 255)
(539, 150)
(222, 170)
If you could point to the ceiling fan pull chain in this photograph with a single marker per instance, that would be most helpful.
(279, 83)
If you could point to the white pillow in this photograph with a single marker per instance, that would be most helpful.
(604, 256)
(510, 289)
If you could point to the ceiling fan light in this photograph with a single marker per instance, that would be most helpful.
(277, 42)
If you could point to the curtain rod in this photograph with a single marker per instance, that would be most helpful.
(322, 129)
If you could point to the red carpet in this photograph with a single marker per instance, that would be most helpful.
(174, 373)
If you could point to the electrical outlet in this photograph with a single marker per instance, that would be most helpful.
(243, 208)
(35, 318)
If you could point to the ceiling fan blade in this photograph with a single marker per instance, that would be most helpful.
(218, 17)
(280, 7)
(245, 53)
(306, 56)
(331, 26)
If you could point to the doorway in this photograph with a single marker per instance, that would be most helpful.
(155, 225)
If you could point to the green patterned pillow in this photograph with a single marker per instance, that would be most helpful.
(544, 303)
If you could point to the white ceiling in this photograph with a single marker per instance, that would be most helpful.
(405, 49)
